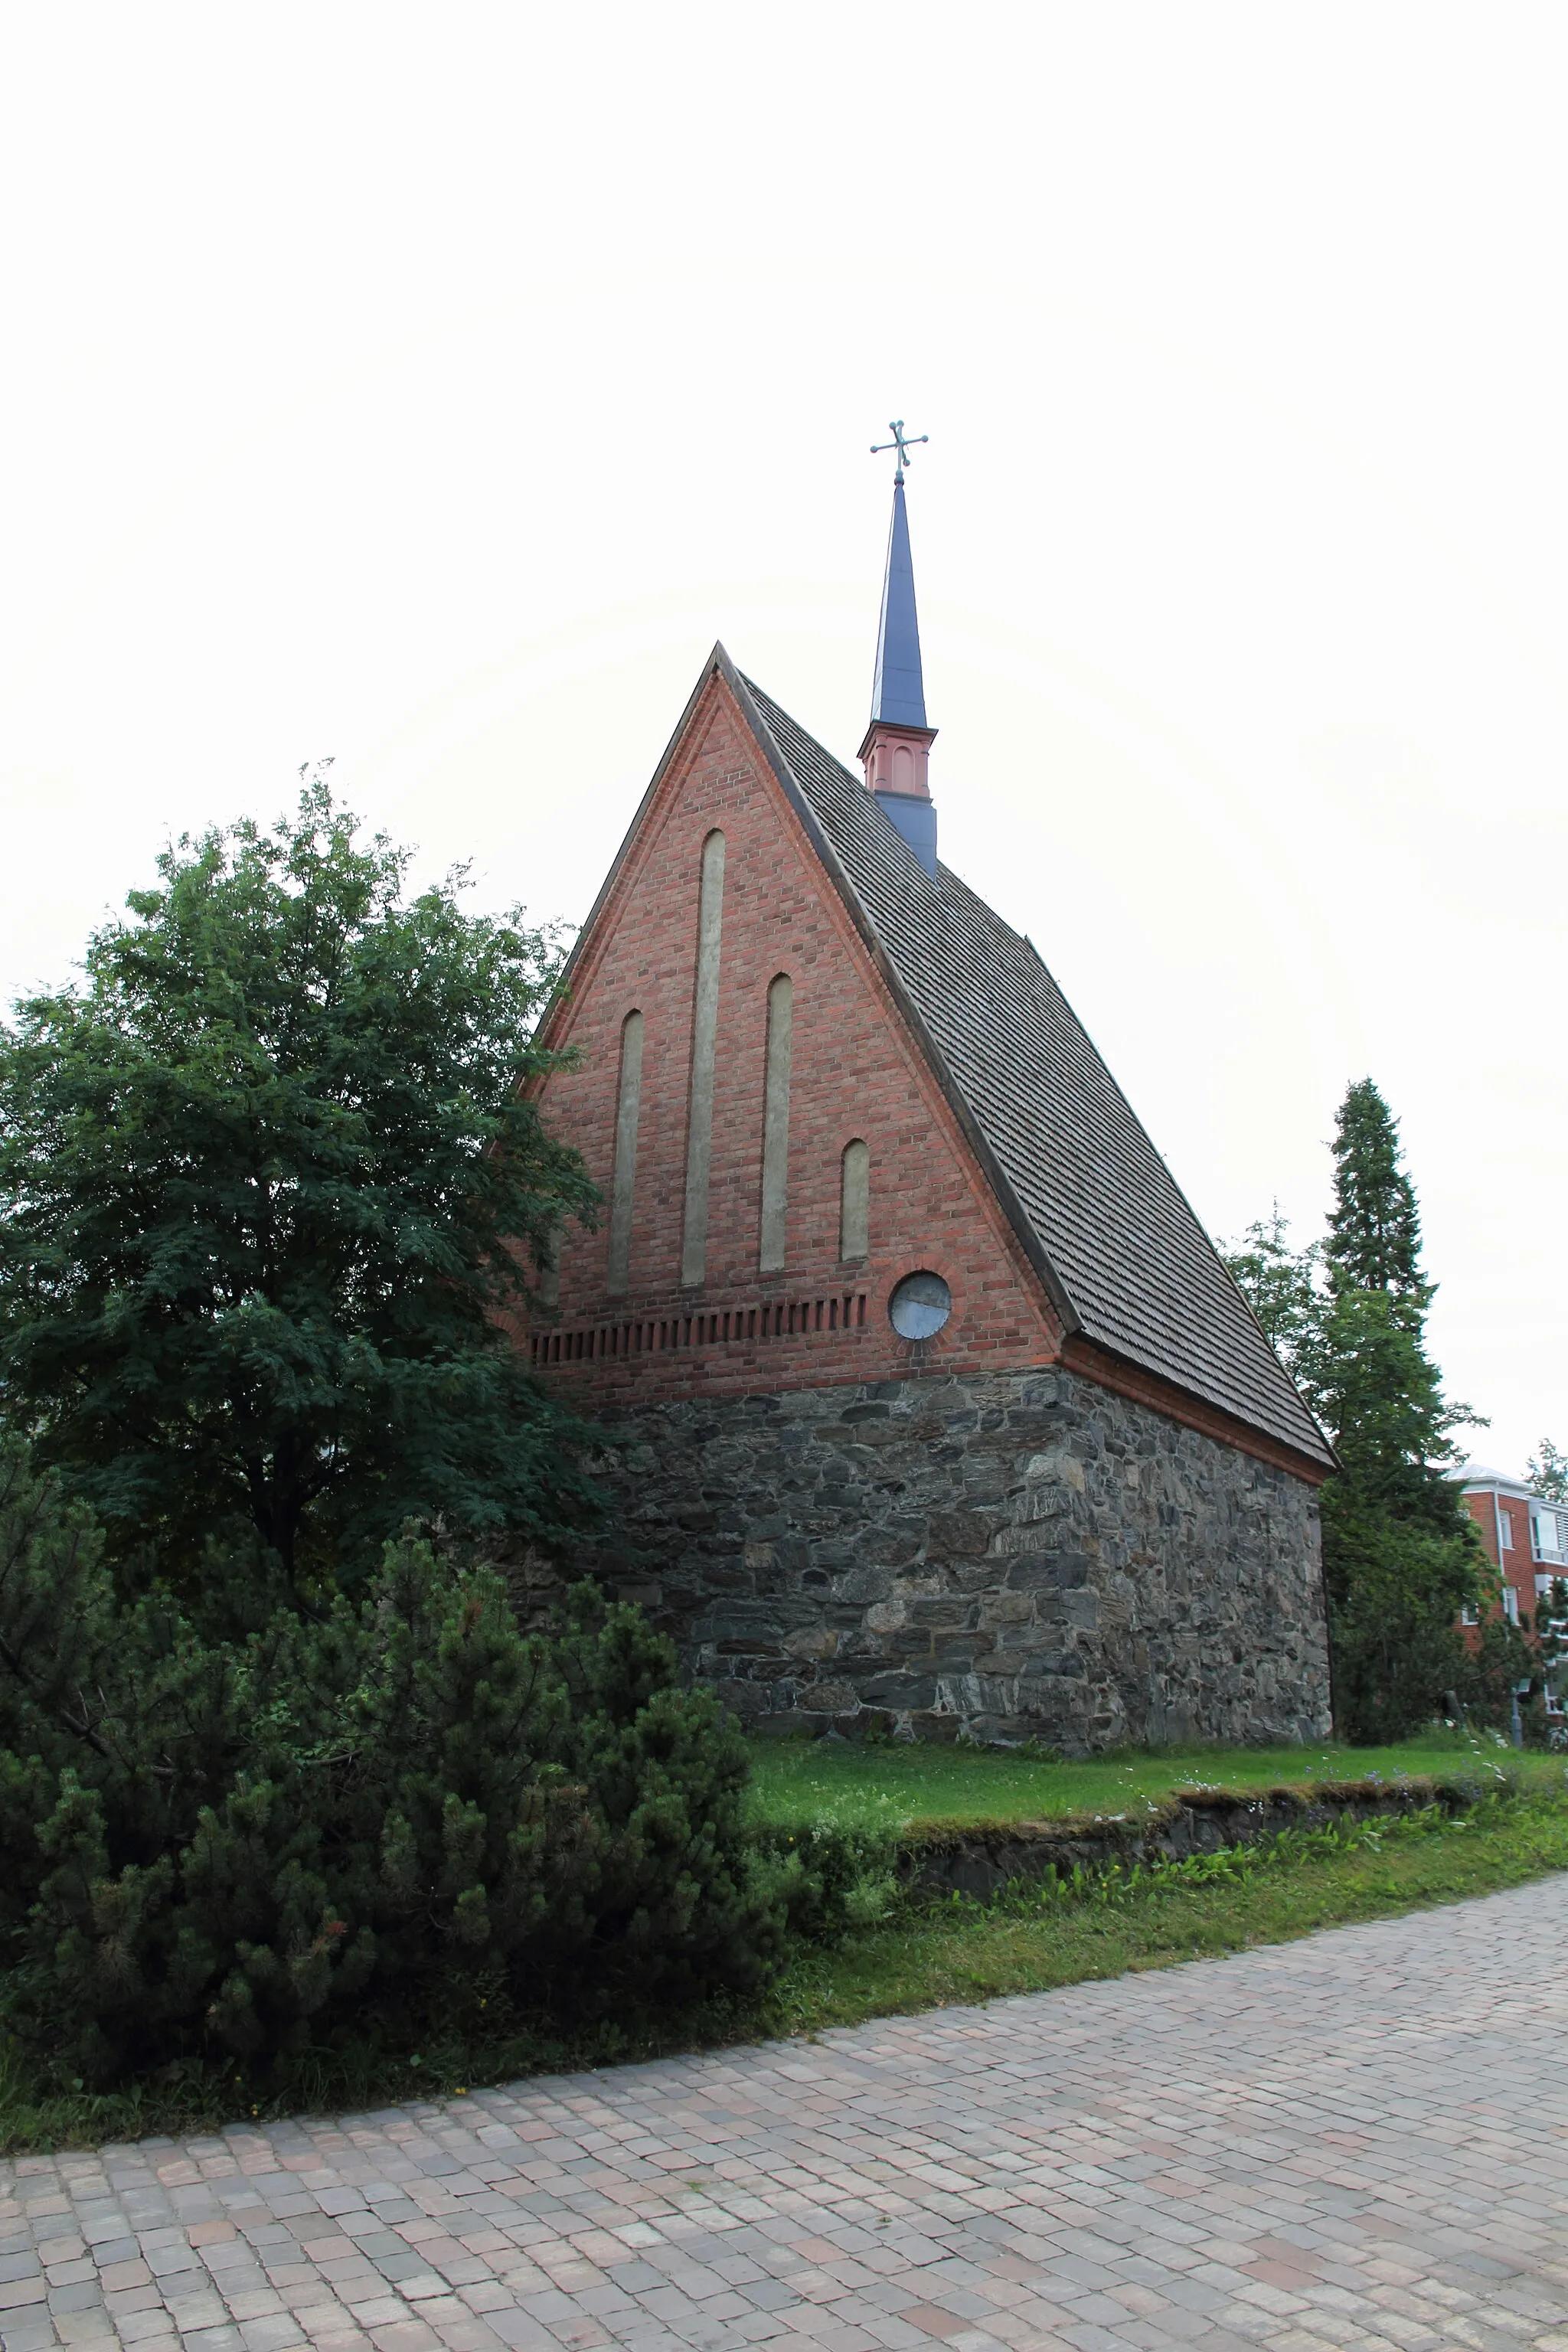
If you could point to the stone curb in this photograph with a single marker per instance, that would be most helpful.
(981, 1858)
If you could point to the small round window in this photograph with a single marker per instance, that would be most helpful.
(920, 1306)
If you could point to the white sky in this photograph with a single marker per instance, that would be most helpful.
(430, 386)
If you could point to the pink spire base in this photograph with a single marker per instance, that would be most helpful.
(896, 759)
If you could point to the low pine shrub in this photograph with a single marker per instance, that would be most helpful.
(340, 1826)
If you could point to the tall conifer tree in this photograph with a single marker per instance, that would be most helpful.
(1348, 1317)
(1374, 1229)
(1400, 1555)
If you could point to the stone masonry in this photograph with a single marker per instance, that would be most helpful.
(1018, 1554)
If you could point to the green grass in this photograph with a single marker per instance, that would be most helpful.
(958, 1952)
(899, 1786)
(925, 1953)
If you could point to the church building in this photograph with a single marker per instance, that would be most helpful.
(929, 1404)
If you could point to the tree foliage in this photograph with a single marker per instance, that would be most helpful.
(1547, 1472)
(271, 1177)
(1348, 1317)
(340, 1826)
(1550, 1631)
(1278, 1284)
(1374, 1240)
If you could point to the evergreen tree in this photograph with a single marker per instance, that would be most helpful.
(271, 1177)
(1347, 1317)
(1374, 1231)
(1364, 1362)
(355, 1823)
(1400, 1554)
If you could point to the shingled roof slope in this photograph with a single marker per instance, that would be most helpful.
(1138, 1271)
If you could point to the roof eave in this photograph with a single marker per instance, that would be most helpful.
(1117, 1368)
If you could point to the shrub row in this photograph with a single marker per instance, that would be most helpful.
(342, 1825)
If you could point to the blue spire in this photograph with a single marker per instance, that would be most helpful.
(898, 693)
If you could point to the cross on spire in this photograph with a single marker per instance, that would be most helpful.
(903, 443)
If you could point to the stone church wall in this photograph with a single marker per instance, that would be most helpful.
(1022, 1554)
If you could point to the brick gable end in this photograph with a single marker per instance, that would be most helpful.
(855, 1075)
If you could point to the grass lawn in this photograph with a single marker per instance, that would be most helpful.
(895, 1785)
(924, 1953)
(961, 1952)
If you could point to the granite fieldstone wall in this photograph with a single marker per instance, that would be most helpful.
(1011, 1556)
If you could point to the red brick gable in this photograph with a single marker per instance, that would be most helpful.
(856, 1074)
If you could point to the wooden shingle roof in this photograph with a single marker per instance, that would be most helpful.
(1112, 1235)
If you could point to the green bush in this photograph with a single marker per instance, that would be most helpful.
(831, 1880)
(342, 1826)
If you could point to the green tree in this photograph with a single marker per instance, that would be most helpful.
(1367, 1376)
(1552, 1646)
(1347, 1317)
(1547, 1471)
(1364, 1363)
(1401, 1558)
(1278, 1284)
(272, 1176)
(1374, 1231)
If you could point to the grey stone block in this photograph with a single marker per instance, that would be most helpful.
(1016, 1555)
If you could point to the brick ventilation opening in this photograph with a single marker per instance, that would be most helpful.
(715, 1327)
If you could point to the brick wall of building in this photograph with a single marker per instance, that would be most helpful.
(855, 1077)
(1503, 1524)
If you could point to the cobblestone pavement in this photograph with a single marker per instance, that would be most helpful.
(1353, 2141)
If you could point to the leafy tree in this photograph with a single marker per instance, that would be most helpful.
(271, 1177)
(1522, 1662)
(346, 1824)
(1547, 1472)
(1278, 1284)
(1551, 1631)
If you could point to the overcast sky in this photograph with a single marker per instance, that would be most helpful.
(429, 387)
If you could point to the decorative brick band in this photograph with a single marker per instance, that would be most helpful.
(710, 1327)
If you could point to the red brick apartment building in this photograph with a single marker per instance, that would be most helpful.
(1525, 1535)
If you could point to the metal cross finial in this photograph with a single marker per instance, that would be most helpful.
(902, 441)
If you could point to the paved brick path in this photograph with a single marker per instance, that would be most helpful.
(1358, 2139)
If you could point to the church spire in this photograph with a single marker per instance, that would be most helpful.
(897, 742)
(897, 690)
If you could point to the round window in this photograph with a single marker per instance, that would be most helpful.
(920, 1306)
